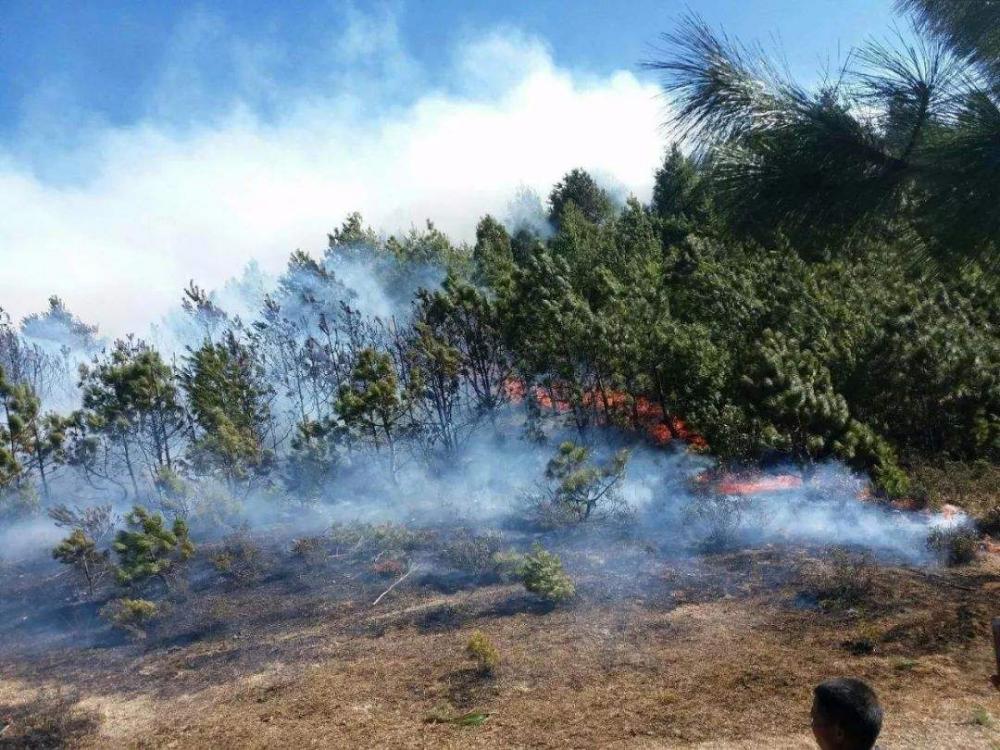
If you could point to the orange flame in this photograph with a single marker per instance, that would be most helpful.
(613, 407)
(736, 486)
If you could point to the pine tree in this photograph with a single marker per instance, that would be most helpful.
(148, 548)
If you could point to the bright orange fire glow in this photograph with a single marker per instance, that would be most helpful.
(736, 486)
(613, 407)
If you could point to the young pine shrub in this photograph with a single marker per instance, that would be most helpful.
(148, 548)
(576, 488)
(542, 573)
(481, 650)
(130, 615)
(80, 552)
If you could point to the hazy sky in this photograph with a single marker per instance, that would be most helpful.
(146, 143)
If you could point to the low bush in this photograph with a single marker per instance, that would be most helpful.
(848, 582)
(864, 641)
(481, 649)
(130, 615)
(956, 546)
(308, 548)
(472, 553)
(240, 559)
(395, 537)
(542, 573)
(717, 519)
(147, 548)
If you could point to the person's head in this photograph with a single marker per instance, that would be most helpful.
(846, 715)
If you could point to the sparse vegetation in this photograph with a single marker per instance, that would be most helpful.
(846, 582)
(955, 546)
(481, 650)
(240, 559)
(473, 553)
(52, 719)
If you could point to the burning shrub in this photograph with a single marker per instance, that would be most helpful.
(473, 553)
(148, 548)
(542, 573)
(80, 552)
(481, 649)
(956, 546)
(130, 615)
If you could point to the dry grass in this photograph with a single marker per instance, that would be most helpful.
(719, 655)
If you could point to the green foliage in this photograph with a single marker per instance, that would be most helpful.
(228, 398)
(147, 548)
(131, 615)
(131, 402)
(492, 255)
(905, 134)
(542, 573)
(579, 189)
(372, 404)
(481, 649)
(578, 486)
(31, 443)
(80, 552)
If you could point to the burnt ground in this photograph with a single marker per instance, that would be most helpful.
(655, 651)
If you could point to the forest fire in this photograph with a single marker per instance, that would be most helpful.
(610, 407)
(732, 485)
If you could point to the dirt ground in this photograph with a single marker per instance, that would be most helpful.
(721, 653)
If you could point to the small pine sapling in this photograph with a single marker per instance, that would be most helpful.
(131, 615)
(542, 573)
(148, 548)
(80, 552)
(486, 655)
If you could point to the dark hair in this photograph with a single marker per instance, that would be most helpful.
(852, 706)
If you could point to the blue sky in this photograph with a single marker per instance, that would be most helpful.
(165, 140)
(109, 61)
